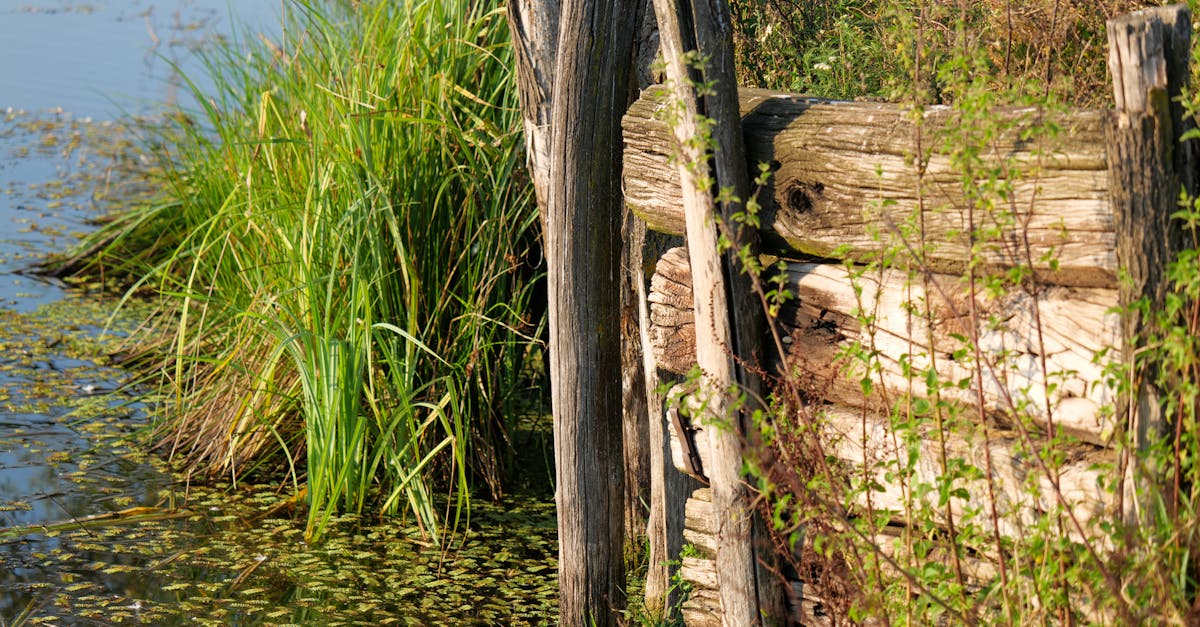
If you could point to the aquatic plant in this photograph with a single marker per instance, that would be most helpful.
(344, 257)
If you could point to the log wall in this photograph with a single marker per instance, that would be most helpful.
(1081, 205)
(843, 182)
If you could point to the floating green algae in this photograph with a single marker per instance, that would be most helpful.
(97, 529)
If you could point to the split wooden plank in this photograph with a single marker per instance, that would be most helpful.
(845, 168)
(822, 326)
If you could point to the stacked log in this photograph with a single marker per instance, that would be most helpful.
(702, 608)
(1041, 364)
(842, 183)
(843, 171)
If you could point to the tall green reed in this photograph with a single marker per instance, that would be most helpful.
(342, 253)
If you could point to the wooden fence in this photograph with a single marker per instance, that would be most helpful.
(1092, 202)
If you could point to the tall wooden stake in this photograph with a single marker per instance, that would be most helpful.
(581, 90)
(1148, 60)
(726, 336)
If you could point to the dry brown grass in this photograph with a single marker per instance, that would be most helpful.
(1032, 47)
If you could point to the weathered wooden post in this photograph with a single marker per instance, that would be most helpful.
(729, 326)
(635, 392)
(574, 63)
(1148, 60)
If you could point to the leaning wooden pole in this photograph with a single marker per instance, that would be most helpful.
(1148, 59)
(696, 43)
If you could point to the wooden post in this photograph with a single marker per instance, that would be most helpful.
(574, 60)
(669, 488)
(635, 394)
(724, 336)
(534, 28)
(1148, 59)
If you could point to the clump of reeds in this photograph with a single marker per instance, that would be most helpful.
(343, 250)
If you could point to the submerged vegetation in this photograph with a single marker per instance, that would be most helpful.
(344, 257)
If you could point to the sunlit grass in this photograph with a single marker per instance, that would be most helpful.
(343, 252)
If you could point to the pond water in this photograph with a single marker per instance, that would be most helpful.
(93, 529)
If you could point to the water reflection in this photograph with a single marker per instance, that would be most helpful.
(101, 57)
(65, 67)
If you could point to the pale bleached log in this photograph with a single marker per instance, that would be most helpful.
(697, 523)
(1024, 490)
(729, 332)
(978, 570)
(702, 608)
(845, 168)
(822, 323)
(700, 572)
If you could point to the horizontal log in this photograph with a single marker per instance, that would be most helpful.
(703, 606)
(1024, 489)
(978, 570)
(844, 170)
(1039, 364)
(697, 523)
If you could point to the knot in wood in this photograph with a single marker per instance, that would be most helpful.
(800, 196)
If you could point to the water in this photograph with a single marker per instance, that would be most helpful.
(81, 64)
(66, 71)
(99, 58)
(180, 553)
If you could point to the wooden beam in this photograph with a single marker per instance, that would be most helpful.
(534, 28)
(582, 205)
(697, 45)
(842, 169)
(634, 392)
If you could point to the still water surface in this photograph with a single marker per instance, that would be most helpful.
(98, 58)
(67, 71)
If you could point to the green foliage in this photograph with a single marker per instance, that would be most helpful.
(865, 48)
(344, 252)
(912, 556)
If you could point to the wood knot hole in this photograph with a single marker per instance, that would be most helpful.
(800, 196)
